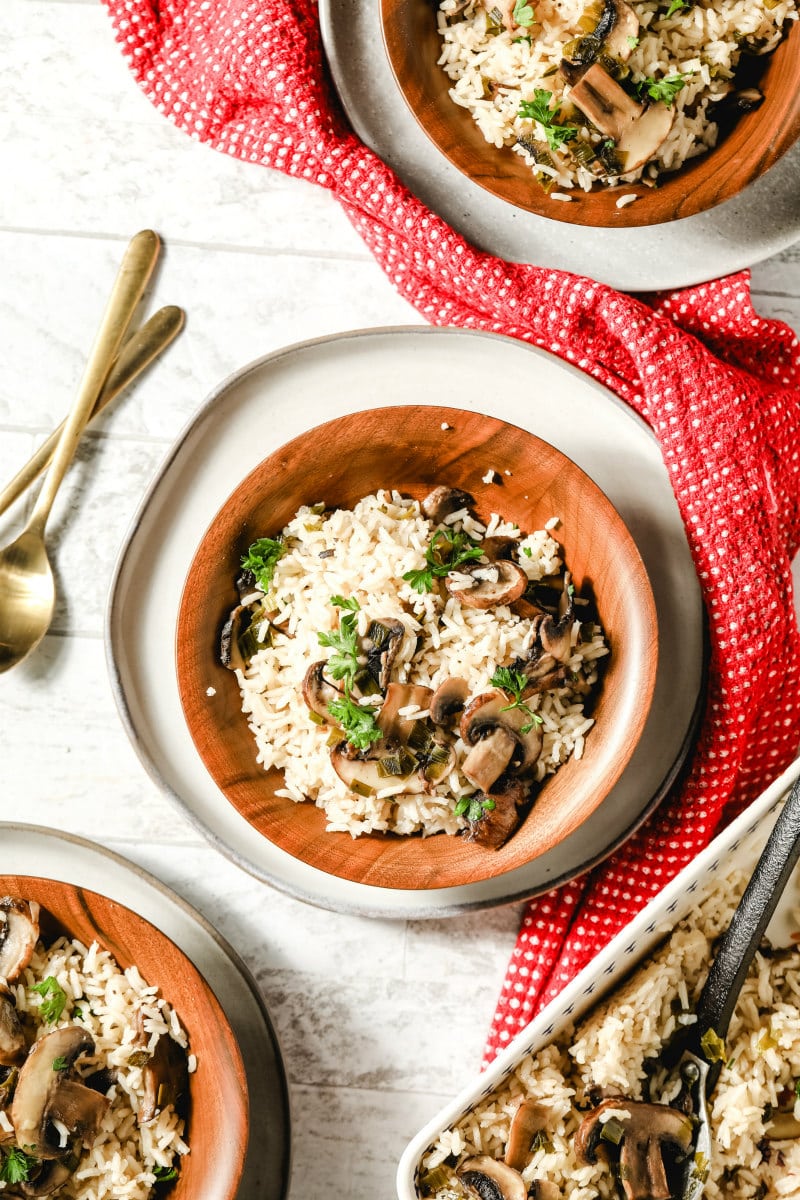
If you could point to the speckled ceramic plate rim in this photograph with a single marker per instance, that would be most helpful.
(128, 884)
(676, 254)
(609, 967)
(284, 872)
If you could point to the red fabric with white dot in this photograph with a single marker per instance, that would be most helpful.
(718, 385)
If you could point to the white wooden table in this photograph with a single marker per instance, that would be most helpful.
(379, 1023)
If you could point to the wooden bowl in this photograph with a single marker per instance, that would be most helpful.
(756, 141)
(217, 1111)
(407, 448)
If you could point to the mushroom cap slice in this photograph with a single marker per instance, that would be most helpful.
(646, 1131)
(165, 1078)
(622, 29)
(489, 758)
(605, 103)
(530, 1118)
(489, 1179)
(19, 933)
(401, 695)
(51, 1176)
(488, 710)
(39, 1084)
(448, 700)
(642, 139)
(319, 691)
(12, 1036)
(500, 582)
(443, 500)
(365, 771)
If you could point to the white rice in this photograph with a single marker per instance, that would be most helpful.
(494, 69)
(614, 1047)
(104, 1000)
(374, 545)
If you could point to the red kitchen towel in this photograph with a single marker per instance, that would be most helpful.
(717, 384)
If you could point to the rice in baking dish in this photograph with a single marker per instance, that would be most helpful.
(361, 556)
(505, 63)
(613, 1052)
(69, 984)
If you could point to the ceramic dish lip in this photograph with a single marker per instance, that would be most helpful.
(208, 929)
(639, 659)
(363, 906)
(606, 969)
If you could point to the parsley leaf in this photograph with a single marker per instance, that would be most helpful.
(53, 999)
(665, 89)
(77, 1012)
(262, 558)
(15, 1165)
(633, 42)
(538, 109)
(358, 723)
(350, 603)
(447, 550)
(473, 807)
(676, 6)
(515, 682)
(343, 663)
(162, 1174)
(523, 14)
(60, 1063)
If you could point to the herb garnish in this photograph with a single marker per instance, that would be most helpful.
(446, 551)
(473, 807)
(633, 42)
(60, 1063)
(665, 89)
(676, 6)
(515, 682)
(53, 999)
(713, 1046)
(16, 1165)
(538, 109)
(162, 1174)
(524, 14)
(262, 558)
(343, 663)
(77, 1012)
(358, 723)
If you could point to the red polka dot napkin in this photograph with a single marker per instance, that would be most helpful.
(717, 384)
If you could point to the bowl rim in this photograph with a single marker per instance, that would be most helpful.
(642, 667)
(80, 899)
(608, 967)
(698, 186)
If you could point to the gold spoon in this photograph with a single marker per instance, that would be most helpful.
(137, 353)
(27, 587)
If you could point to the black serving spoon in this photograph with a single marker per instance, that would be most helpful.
(702, 1048)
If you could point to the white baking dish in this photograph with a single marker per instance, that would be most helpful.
(740, 843)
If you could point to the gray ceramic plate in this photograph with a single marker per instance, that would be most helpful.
(266, 404)
(763, 220)
(32, 850)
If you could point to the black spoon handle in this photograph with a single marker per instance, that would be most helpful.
(741, 940)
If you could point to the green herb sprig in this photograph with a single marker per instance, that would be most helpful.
(665, 89)
(54, 998)
(524, 14)
(474, 807)
(262, 558)
(538, 109)
(676, 6)
(162, 1174)
(343, 663)
(515, 682)
(357, 722)
(16, 1165)
(447, 550)
(60, 1063)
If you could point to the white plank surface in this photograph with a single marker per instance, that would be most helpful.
(379, 1022)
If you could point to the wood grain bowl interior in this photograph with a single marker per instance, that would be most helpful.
(217, 1126)
(753, 145)
(407, 449)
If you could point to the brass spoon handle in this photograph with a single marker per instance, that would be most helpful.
(137, 353)
(132, 277)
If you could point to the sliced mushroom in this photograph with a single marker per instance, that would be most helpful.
(782, 1126)
(363, 774)
(19, 933)
(318, 692)
(12, 1037)
(501, 582)
(530, 1119)
(401, 695)
(647, 1131)
(489, 1179)
(49, 1177)
(605, 103)
(165, 1078)
(499, 547)
(489, 710)
(443, 501)
(489, 758)
(448, 700)
(617, 28)
(46, 1091)
(641, 140)
(555, 636)
(497, 823)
